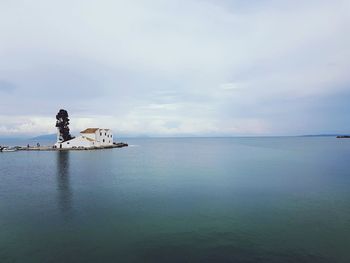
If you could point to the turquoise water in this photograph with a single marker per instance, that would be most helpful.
(179, 200)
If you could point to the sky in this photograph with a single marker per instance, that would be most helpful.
(176, 68)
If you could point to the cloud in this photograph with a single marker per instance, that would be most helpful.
(6, 87)
(230, 86)
(23, 125)
(176, 67)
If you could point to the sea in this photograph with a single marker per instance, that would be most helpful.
(267, 199)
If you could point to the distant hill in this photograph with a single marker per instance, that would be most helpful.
(322, 135)
(47, 139)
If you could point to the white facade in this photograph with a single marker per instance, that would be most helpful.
(89, 138)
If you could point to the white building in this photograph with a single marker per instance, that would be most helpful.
(89, 138)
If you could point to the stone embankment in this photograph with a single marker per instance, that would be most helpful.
(51, 148)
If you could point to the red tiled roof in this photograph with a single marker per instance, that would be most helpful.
(90, 130)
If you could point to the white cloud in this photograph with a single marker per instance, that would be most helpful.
(148, 65)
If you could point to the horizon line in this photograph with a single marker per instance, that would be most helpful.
(189, 136)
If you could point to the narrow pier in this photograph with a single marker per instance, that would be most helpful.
(51, 148)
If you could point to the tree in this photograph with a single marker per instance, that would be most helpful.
(62, 124)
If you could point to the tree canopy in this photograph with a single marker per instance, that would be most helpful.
(62, 124)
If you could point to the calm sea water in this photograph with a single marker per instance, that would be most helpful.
(179, 200)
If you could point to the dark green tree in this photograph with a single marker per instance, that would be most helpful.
(62, 124)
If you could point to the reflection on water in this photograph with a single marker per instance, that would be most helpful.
(63, 184)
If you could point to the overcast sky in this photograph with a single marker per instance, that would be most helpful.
(180, 67)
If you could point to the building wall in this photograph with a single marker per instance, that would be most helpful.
(104, 137)
(89, 135)
(76, 142)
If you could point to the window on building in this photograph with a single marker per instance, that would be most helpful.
(100, 133)
(103, 140)
(67, 142)
(105, 133)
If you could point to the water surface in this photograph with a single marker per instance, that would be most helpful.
(179, 200)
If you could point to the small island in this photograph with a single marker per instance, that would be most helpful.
(343, 136)
(89, 139)
(53, 148)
